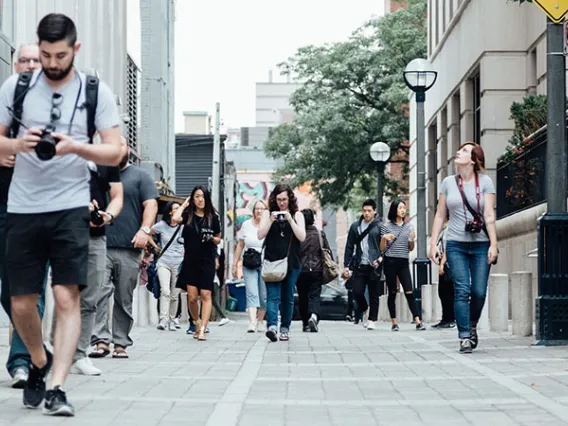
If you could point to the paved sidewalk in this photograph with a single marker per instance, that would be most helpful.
(343, 375)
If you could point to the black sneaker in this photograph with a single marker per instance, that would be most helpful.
(395, 327)
(465, 346)
(34, 389)
(56, 403)
(473, 337)
(305, 328)
(272, 335)
(420, 327)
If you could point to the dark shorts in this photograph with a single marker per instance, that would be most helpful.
(32, 240)
(200, 274)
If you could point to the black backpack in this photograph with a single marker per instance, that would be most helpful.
(22, 88)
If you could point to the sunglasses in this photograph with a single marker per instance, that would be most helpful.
(56, 101)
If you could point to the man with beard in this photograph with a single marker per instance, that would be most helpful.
(48, 201)
(19, 359)
(126, 240)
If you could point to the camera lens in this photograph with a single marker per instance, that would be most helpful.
(96, 218)
(45, 149)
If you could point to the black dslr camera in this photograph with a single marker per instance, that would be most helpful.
(45, 149)
(281, 218)
(475, 226)
(96, 218)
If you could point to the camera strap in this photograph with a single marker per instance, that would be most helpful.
(169, 243)
(465, 202)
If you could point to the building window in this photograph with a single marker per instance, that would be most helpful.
(132, 99)
(476, 109)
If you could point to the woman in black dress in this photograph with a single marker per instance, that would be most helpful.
(284, 228)
(201, 235)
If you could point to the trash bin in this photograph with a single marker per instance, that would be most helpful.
(237, 290)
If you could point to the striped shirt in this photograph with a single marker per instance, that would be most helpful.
(399, 248)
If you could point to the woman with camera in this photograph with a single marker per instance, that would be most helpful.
(471, 237)
(284, 228)
(397, 241)
(168, 264)
(201, 235)
(250, 246)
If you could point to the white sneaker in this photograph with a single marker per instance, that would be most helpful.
(224, 321)
(371, 325)
(176, 323)
(366, 318)
(85, 367)
(261, 326)
(19, 378)
(172, 326)
(162, 325)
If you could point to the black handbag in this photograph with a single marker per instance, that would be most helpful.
(252, 259)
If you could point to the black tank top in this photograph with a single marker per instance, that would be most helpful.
(277, 242)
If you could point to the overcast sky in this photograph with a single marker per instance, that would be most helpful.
(223, 47)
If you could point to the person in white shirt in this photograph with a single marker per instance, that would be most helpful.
(250, 247)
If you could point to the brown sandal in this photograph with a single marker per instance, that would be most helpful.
(101, 350)
(119, 353)
(202, 336)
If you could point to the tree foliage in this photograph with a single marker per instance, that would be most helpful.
(352, 95)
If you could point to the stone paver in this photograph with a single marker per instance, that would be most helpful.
(342, 375)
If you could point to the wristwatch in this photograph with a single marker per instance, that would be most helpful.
(145, 229)
(111, 217)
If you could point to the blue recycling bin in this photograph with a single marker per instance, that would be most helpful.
(238, 291)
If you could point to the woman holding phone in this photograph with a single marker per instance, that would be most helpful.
(201, 235)
(284, 228)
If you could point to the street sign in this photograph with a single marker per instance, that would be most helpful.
(556, 10)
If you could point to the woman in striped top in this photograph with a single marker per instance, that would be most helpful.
(397, 241)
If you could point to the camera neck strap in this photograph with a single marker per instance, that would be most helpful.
(476, 215)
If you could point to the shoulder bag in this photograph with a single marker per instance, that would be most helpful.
(274, 271)
(330, 268)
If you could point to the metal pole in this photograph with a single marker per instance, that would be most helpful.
(421, 263)
(380, 190)
(420, 179)
(216, 173)
(556, 168)
(552, 300)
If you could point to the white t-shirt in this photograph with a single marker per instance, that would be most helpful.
(249, 234)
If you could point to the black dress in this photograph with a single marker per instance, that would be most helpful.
(198, 267)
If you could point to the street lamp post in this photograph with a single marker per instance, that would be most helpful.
(420, 77)
(380, 153)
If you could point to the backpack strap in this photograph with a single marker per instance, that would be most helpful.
(20, 93)
(92, 96)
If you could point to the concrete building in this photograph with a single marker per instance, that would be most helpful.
(196, 123)
(273, 102)
(488, 54)
(157, 89)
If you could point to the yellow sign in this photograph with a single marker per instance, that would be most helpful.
(556, 10)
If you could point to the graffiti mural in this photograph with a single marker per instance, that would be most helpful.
(257, 186)
(251, 188)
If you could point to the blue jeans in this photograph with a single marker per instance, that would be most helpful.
(19, 355)
(255, 288)
(470, 271)
(281, 294)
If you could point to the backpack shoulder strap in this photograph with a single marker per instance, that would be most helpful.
(92, 97)
(20, 93)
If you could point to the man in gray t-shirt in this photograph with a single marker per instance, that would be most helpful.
(126, 240)
(48, 215)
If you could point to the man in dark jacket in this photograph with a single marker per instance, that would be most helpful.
(361, 251)
(310, 280)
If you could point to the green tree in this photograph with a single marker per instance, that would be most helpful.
(352, 95)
